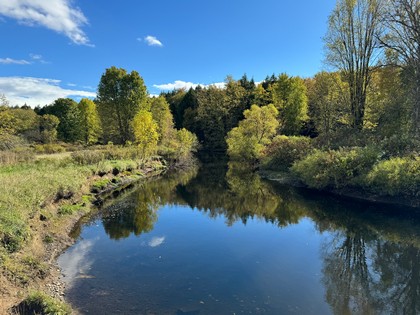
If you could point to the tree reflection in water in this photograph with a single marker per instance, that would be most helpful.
(137, 214)
(371, 262)
(371, 257)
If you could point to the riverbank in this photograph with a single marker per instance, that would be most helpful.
(40, 203)
(287, 178)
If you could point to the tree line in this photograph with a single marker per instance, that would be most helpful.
(371, 96)
(122, 114)
(373, 46)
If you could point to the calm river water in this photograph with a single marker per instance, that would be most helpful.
(216, 241)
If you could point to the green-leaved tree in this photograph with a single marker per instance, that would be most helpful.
(289, 95)
(121, 96)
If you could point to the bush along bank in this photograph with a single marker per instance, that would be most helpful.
(372, 172)
(42, 201)
(362, 172)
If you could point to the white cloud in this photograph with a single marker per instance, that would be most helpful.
(9, 61)
(219, 85)
(56, 15)
(35, 57)
(156, 241)
(36, 91)
(152, 41)
(178, 85)
(76, 262)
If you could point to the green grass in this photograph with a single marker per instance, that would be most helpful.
(101, 184)
(26, 187)
(40, 303)
(39, 193)
(70, 209)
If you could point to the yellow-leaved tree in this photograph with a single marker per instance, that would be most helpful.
(145, 133)
(247, 141)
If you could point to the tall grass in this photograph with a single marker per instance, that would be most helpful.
(25, 187)
(16, 156)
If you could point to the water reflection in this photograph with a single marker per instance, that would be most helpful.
(399, 286)
(138, 213)
(366, 274)
(370, 255)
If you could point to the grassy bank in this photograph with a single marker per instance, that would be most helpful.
(40, 201)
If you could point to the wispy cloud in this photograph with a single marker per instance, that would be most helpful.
(178, 85)
(37, 58)
(152, 41)
(33, 59)
(36, 91)
(10, 61)
(57, 15)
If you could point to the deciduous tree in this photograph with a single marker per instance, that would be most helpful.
(65, 109)
(328, 102)
(121, 96)
(145, 132)
(90, 124)
(248, 140)
(289, 95)
(402, 21)
(352, 48)
(48, 128)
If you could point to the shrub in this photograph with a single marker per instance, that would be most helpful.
(87, 157)
(9, 142)
(396, 176)
(336, 168)
(284, 151)
(399, 145)
(49, 148)
(345, 136)
(121, 153)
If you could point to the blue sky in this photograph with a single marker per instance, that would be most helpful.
(60, 48)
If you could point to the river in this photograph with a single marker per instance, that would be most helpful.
(219, 241)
